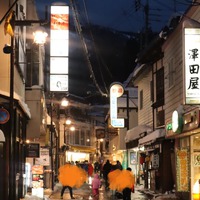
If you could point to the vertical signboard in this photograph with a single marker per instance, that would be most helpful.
(59, 48)
(116, 91)
(182, 166)
(192, 60)
(38, 181)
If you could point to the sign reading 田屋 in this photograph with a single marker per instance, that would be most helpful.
(192, 68)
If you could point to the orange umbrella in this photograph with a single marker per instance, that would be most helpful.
(121, 179)
(72, 175)
(112, 178)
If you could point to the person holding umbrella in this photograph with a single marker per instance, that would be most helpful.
(63, 190)
(71, 176)
(127, 191)
(122, 181)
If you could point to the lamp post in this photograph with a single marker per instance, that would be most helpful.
(127, 121)
(54, 169)
(68, 127)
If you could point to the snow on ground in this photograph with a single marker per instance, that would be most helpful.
(157, 196)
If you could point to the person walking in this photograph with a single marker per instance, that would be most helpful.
(127, 191)
(119, 165)
(90, 169)
(63, 190)
(96, 167)
(96, 184)
(71, 176)
(106, 169)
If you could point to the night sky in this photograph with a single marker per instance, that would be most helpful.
(122, 14)
(119, 15)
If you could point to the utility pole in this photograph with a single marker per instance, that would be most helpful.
(138, 5)
(146, 11)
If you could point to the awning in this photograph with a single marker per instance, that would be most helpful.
(152, 137)
(135, 132)
(84, 149)
(22, 104)
(2, 137)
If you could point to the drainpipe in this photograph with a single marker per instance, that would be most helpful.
(127, 113)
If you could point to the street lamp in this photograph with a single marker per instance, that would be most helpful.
(68, 121)
(68, 128)
(64, 102)
(40, 36)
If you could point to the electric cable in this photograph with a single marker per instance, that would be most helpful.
(79, 31)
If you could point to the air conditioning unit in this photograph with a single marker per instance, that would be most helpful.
(191, 120)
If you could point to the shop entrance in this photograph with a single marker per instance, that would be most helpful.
(2, 169)
(195, 178)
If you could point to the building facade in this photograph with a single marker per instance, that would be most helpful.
(185, 133)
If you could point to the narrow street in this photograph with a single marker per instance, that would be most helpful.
(85, 192)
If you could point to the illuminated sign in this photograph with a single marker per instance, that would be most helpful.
(116, 90)
(192, 68)
(59, 48)
(117, 123)
(177, 122)
(43, 160)
(58, 82)
(191, 120)
(59, 65)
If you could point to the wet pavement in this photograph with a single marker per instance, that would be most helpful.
(85, 192)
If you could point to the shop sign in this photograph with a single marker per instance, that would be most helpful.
(197, 160)
(33, 150)
(59, 48)
(43, 160)
(182, 168)
(100, 133)
(192, 68)
(169, 131)
(116, 91)
(152, 146)
(191, 120)
(155, 161)
(38, 181)
(133, 158)
(177, 122)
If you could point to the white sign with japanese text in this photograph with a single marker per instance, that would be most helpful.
(192, 64)
(116, 90)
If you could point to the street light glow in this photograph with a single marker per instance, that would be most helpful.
(40, 37)
(64, 102)
(72, 128)
(68, 122)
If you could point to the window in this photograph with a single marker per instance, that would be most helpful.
(88, 136)
(151, 91)
(76, 136)
(159, 112)
(160, 85)
(171, 73)
(82, 137)
(160, 117)
(141, 99)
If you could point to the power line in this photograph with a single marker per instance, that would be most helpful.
(79, 31)
(95, 47)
